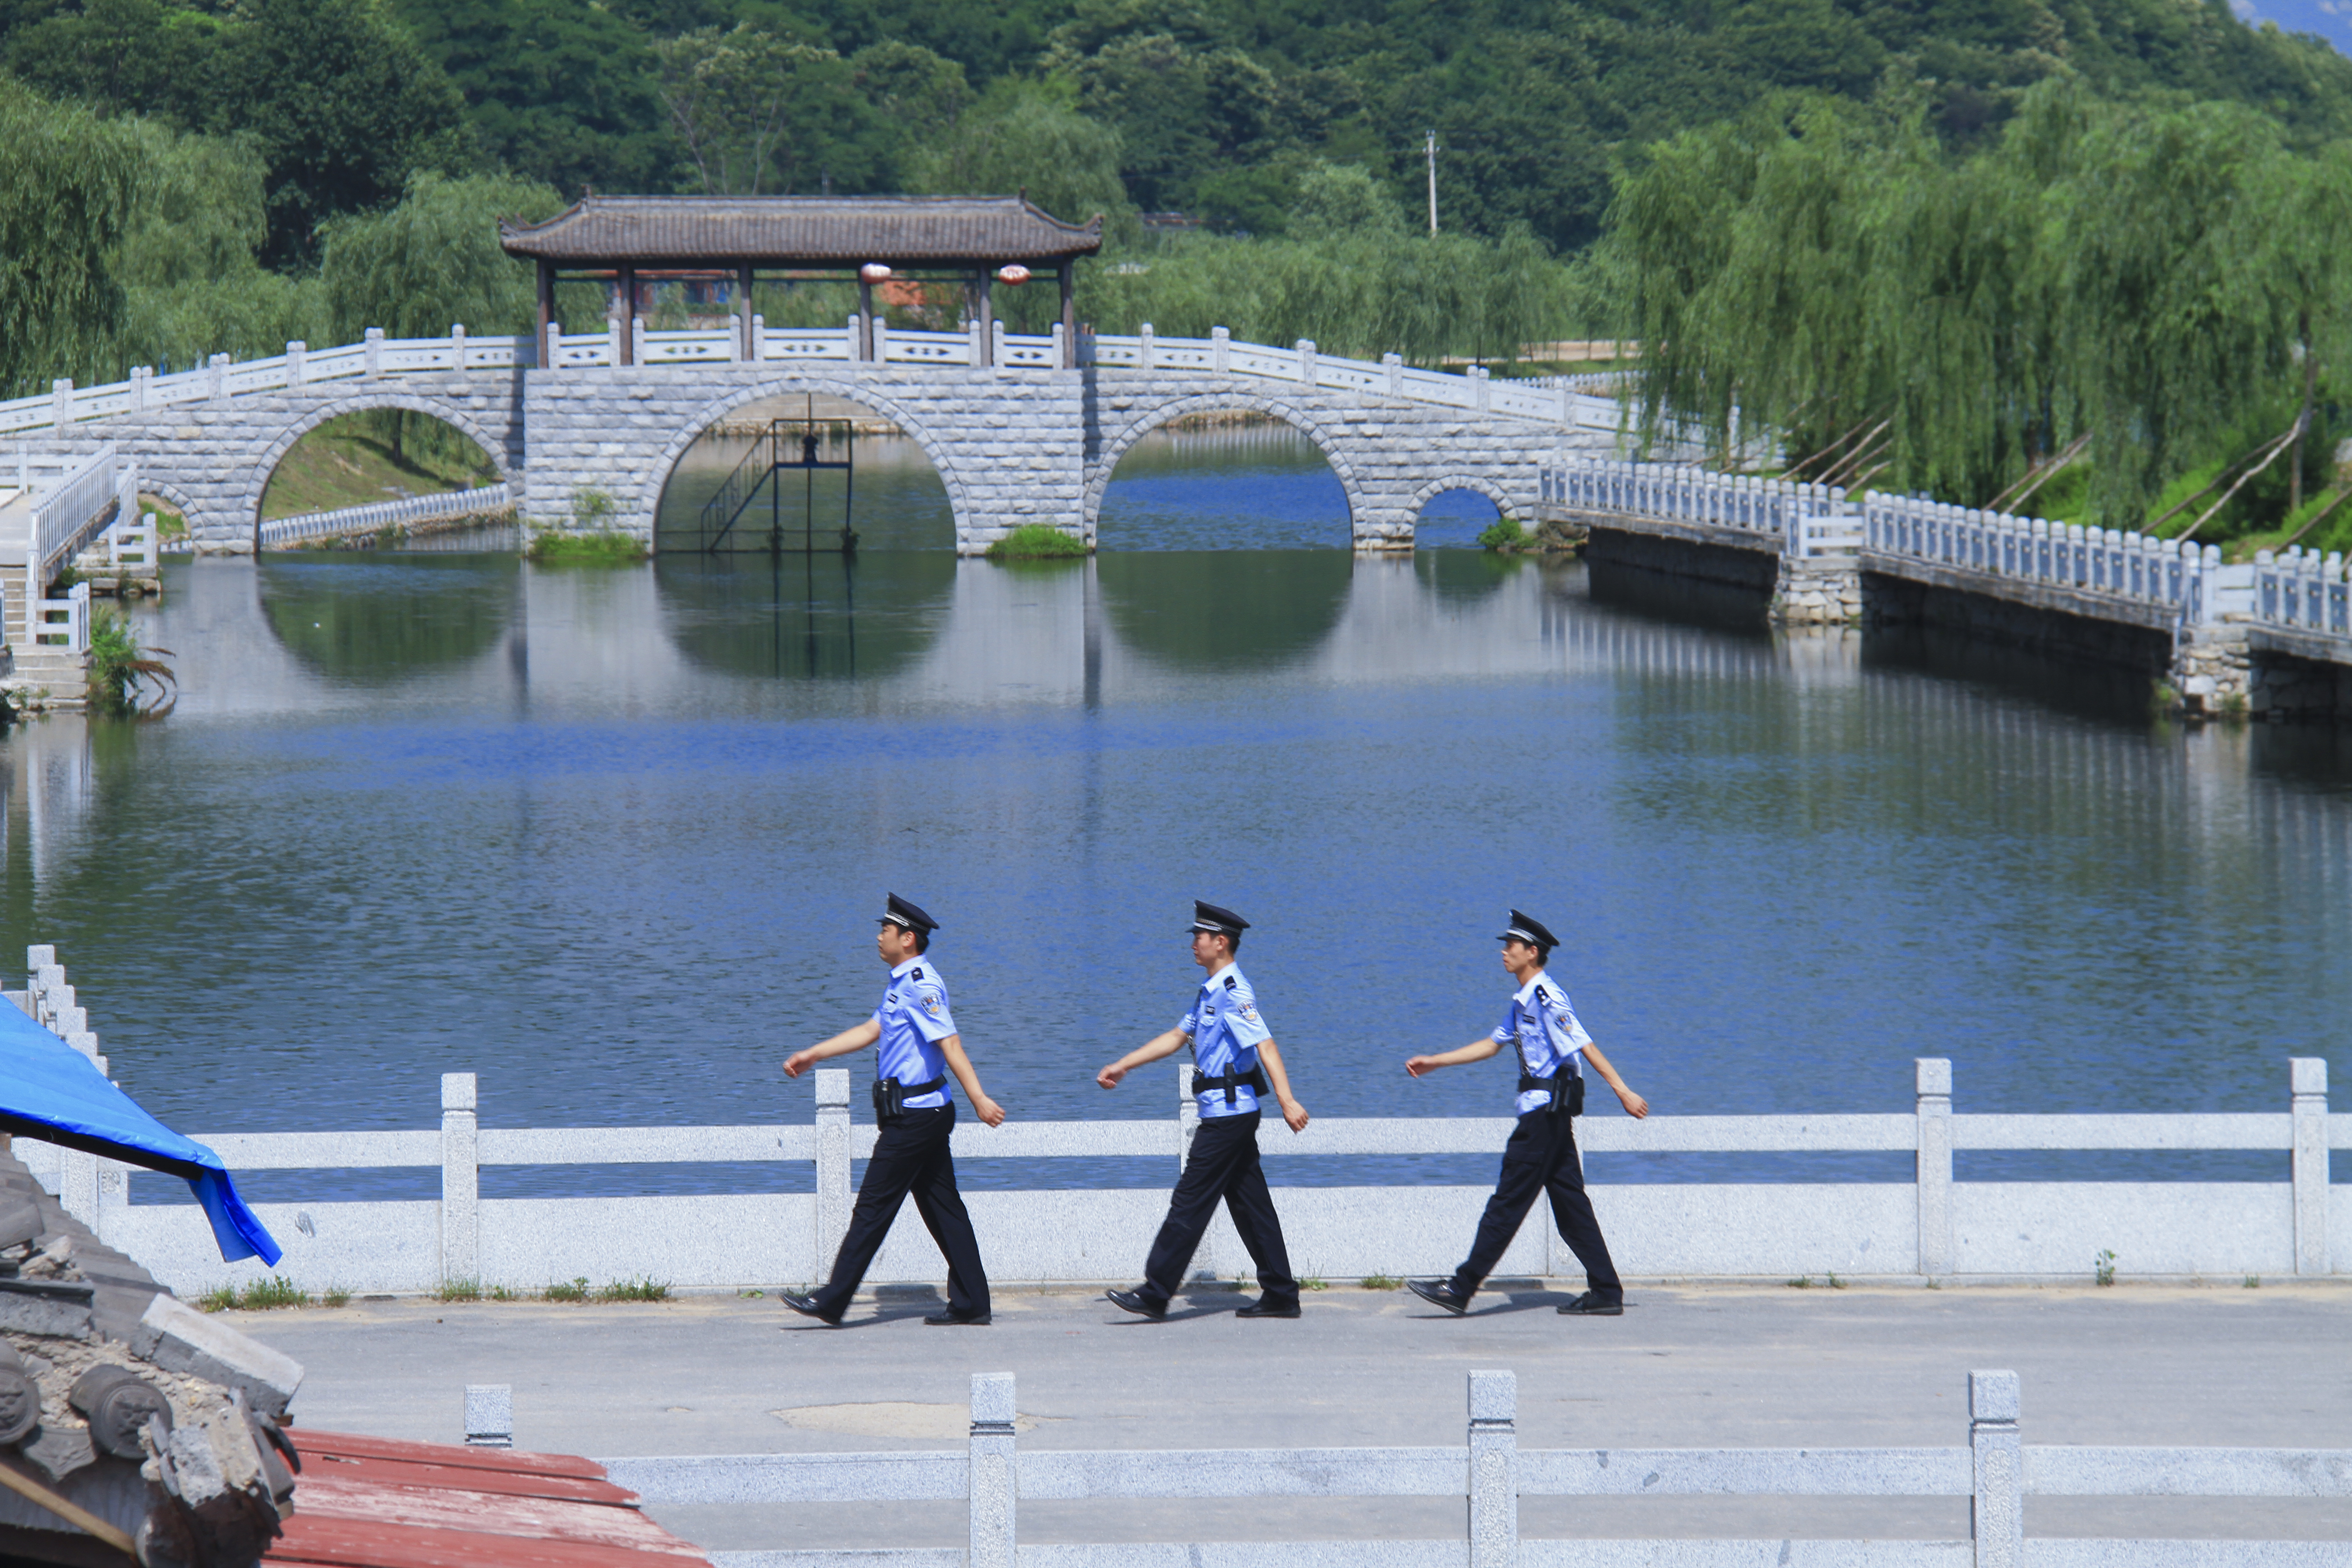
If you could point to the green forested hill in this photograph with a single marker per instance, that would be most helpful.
(1217, 104)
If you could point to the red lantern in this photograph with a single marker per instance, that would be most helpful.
(873, 272)
(1015, 275)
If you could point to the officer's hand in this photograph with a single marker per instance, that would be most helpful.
(798, 1063)
(989, 1112)
(1416, 1066)
(1635, 1106)
(1108, 1078)
(1295, 1114)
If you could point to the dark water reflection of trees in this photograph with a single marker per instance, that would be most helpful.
(862, 617)
(378, 619)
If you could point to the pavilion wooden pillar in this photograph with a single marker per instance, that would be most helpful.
(628, 282)
(1069, 315)
(547, 327)
(743, 311)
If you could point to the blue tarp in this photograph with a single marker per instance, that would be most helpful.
(50, 1090)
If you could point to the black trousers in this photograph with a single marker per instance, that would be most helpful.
(911, 1156)
(1541, 1158)
(1224, 1165)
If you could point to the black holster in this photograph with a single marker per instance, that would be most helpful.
(1566, 1088)
(890, 1095)
(1254, 1081)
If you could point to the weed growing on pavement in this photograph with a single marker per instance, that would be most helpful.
(635, 1291)
(573, 1291)
(2103, 1267)
(1382, 1282)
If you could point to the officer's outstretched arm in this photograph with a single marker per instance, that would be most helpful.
(1635, 1106)
(1477, 1050)
(987, 1109)
(1151, 1050)
(841, 1044)
(1294, 1114)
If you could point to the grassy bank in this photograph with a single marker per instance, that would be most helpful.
(354, 461)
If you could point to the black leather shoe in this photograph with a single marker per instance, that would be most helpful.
(806, 1306)
(1440, 1293)
(972, 1320)
(1267, 1307)
(1134, 1302)
(1593, 1304)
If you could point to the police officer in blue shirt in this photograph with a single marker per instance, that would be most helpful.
(1542, 1153)
(1236, 1062)
(919, 1046)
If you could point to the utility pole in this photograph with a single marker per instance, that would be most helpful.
(1433, 182)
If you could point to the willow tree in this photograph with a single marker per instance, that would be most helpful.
(66, 179)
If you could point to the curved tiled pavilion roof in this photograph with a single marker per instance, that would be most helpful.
(800, 231)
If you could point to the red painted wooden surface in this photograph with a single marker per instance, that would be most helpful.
(371, 1502)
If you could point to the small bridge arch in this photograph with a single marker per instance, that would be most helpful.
(1472, 483)
(1105, 461)
(847, 391)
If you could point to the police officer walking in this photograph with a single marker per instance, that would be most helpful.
(1542, 1153)
(1235, 1060)
(919, 1046)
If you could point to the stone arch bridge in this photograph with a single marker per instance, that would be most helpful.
(1016, 438)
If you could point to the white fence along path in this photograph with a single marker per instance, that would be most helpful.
(278, 533)
(1994, 1469)
(1930, 1228)
(379, 355)
(2187, 583)
(57, 508)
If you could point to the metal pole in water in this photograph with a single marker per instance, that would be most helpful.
(1433, 182)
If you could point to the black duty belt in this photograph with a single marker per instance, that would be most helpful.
(1254, 1080)
(891, 1096)
(1567, 1092)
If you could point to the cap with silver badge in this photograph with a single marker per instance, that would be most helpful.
(1217, 921)
(906, 916)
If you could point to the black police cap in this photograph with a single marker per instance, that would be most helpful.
(1217, 922)
(906, 916)
(1528, 929)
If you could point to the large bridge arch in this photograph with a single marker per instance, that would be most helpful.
(370, 399)
(864, 395)
(1105, 462)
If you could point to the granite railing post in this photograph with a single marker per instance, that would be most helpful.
(216, 378)
(142, 377)
(1481, 390)
(298, 363)
(2307, 1082)
(456, 345)
(832, 1164)
(373, 353)
(1144, 352)
(489, 1416)
(1305, 349)
(1221, 348)
(1934, 1164)
(1394, 362)
(759, 337)
(994, 1472)
(996, 330)
(1493, 1470)
(739, 340)
(1188, 1115)
(975, 350)
(637, 340)
(1061, 347)
(61, 403)
(613, 341)
(461, 1178)
(1997, 1509)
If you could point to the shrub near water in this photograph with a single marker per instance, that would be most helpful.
(1037, 541)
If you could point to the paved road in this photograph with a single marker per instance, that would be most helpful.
(1705, 1367)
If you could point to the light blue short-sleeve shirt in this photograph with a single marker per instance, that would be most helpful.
(914, 1017)
(1543, 1028)
(1226, 1033)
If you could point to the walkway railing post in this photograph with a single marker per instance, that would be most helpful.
(832, 1166)
(461, 1179)
(1188, 1115)
(2307, 1082)
(1479, 376)
(739, 340)
(1997, 1509)
(996, 345)
(1395, 363)
(1305, 349)
(372, 353)
(456, 345)
(298, 363)
(1935, 1166)
(1144, 350)
(61, 402)
(1221, 349)
(995, 1483)
(1493, 1470)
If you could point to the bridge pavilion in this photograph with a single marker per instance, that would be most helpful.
(969, 240)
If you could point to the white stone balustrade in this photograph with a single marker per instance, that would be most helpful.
(1995, 1470)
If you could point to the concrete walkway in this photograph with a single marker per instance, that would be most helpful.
(1705, 1367)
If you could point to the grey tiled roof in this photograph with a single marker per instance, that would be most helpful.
(902, 231)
